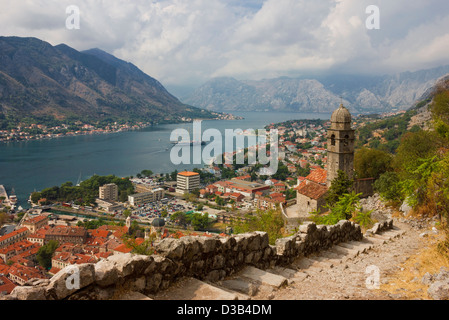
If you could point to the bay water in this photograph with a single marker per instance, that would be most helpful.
(29, 166)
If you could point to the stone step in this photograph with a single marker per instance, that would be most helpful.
(240, 285)
(360, 249)
(299, 277)
(240, 295)
(373, 240)
(291, 275)
(332, 256)
(367, 246)
(394, 234)
(303, 263)
(282, 271)
(350, 253)
(134, 295)
(194, 289)
(381, 237)
(321, 262)
(263, 277)
(310, 263)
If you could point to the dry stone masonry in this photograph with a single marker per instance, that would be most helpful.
(205, 258)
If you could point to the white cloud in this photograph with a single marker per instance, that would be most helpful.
(185, 42)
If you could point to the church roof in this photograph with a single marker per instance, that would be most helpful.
(312, 190)
(318, 175)
(158, 222)
(341, 115)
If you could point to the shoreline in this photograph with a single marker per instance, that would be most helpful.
(95, 132)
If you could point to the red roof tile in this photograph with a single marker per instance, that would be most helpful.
(318, 175)
(6, 285)
(312, 190)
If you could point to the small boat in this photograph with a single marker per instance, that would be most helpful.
(13, 197)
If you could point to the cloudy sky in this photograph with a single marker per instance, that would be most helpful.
(184, 43)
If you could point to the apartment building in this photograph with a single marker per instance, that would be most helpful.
(109, 192)
(187, 181)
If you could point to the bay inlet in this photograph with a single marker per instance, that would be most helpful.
(35, 165)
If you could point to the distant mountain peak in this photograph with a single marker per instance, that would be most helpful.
(38, 79)
(360, 93)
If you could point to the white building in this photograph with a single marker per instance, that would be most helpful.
(146, 197)
(187, 182)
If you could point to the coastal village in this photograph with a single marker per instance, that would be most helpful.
(301, 183)
(35, 131)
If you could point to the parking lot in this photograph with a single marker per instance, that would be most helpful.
(149, 211)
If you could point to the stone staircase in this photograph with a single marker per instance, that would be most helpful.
(253, 283)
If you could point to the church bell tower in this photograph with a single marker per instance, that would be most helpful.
(340, 145)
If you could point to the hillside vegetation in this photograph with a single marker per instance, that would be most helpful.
(412, 167)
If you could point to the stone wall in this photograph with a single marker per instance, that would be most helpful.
(364, 186)
(206, 258)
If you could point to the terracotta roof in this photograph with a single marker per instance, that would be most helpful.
(103, 255)
(312, 190)
(35, 219)
(236, 195)
(67, 231)
(54, 270)
(188, 174)
(318, 175)
(25, 273)
(124, 248)
(243, 177)
(11, 234)
(99, 233)
(4, 269)
(6, 285)
(277, 195)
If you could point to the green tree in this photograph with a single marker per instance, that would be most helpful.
(219, 201)
(413, 147)
(174, 175)
(146, 173)
(388, 186)
(346, 206)
(269, 221)
(45, 253)
(199, 221)
(339, 186)
(126, 213)
(363, 218)
(371, 163)
(179, 218)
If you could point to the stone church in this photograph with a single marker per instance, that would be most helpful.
(311, 192)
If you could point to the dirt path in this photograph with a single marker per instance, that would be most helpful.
(348, 279)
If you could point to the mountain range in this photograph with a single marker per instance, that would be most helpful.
(360, 94)
(41, 80)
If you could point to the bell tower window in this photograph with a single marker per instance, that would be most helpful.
(333, 140)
